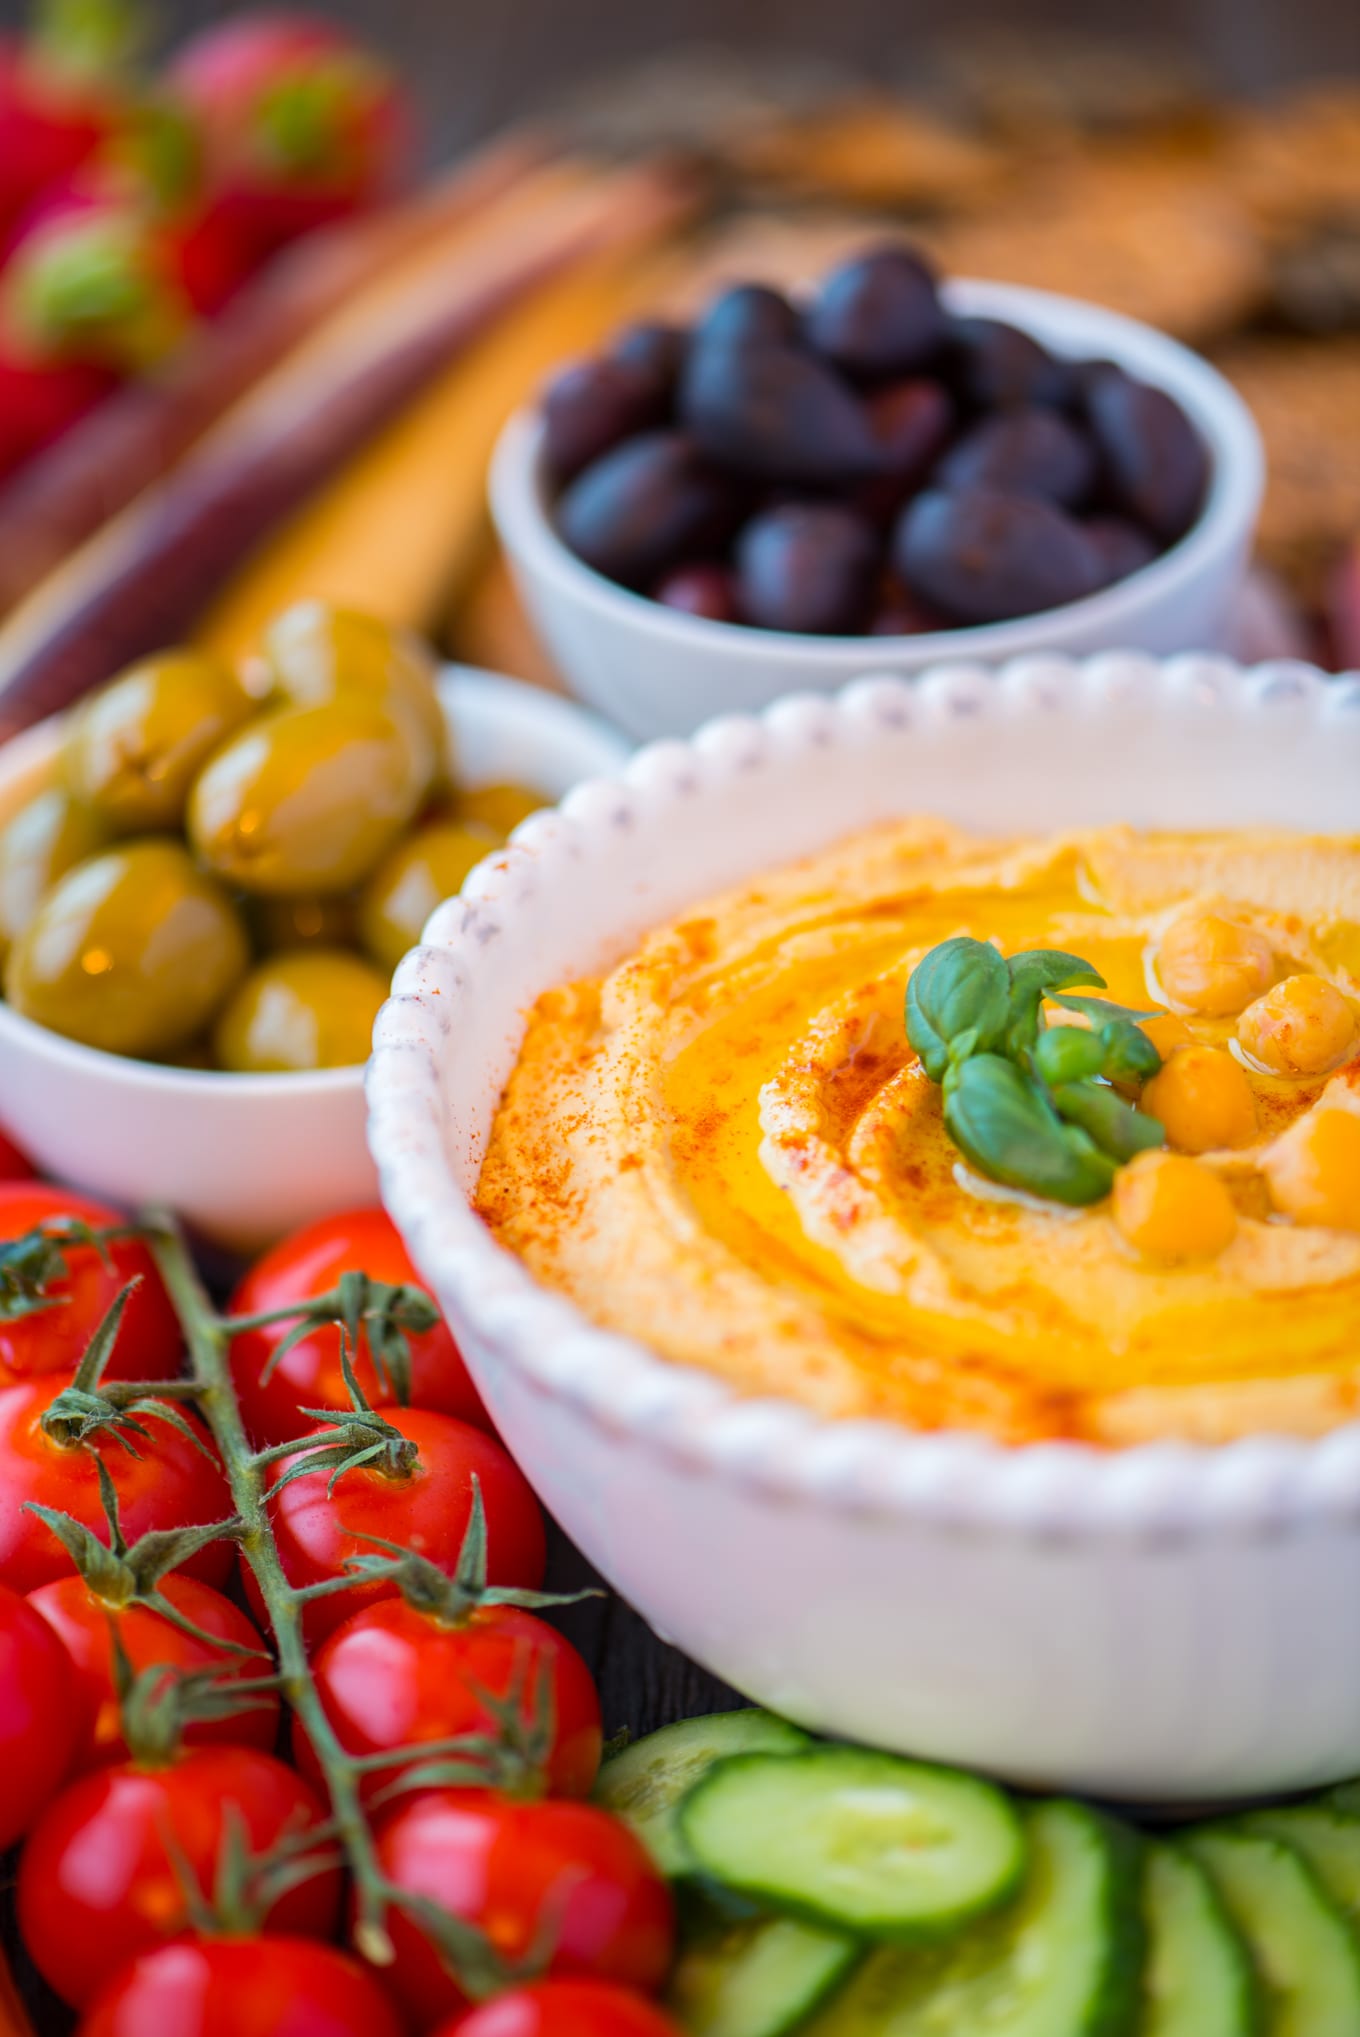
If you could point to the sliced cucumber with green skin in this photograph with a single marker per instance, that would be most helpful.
(1328, 1839)
(644, 1783)
(1306, 1957)
(1063, 1960)
(1343, 1797)
(758, 1979)
(1197, 1979)
(863, 1842)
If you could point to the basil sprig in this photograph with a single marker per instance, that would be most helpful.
(1027, 1104)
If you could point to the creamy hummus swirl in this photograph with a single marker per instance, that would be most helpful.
(727, 1149)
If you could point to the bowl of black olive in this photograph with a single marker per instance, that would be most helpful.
(884, 472)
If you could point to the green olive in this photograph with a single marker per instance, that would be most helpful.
(501, 807)
(312, 1008)
(428, 867)
(307, 798)
(315, 652)
(134, 951)
(308, 922)
(134, 748)
(41, 843)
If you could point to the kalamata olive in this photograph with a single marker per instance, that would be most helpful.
(1155, 464)
(879, 315)
(912, 422)
(993, 365)
(706, 590)
(900, 614)
(749, 314)
(1121, 546)
(778, 415)
(807, 566)
(590, 407)
(653, 349)
(981, 556)
(1023, 451)
(647, 504)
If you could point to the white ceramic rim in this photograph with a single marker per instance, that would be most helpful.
(1164, 1493)
(559, 719)
(1071, 326)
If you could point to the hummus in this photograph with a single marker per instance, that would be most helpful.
(727, 1149)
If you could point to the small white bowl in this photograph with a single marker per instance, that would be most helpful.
(1169, 1622)
(657, 672)
(244, 1158)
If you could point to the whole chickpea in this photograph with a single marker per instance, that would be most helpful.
(1212, 965)
(1204, 1100)
(1303, 1026)
(1313, 1169)
(1173, 1208)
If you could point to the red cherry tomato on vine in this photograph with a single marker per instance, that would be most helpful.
(39, 1715)
(317, 1530)
(54, 1339)
(99, 1880)
(527, 1875)
(169, 1484)
(302, 1267)
(242, 1987)
(563, 2008)
(14, 1165)
(393, 1677)
(86, 1626)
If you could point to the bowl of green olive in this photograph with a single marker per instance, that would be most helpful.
(207, 877)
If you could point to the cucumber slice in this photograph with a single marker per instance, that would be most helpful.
(1328, 1839)
(644, 1782)
(861, 1841)
(1062, 1961)
(1344, 1797)
(1197, 1981)
(758, 1979)
(1307, 1960)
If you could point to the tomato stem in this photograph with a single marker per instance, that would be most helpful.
(208, 1337)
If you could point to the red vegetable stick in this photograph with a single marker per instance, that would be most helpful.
(141, 582)
(135, 437)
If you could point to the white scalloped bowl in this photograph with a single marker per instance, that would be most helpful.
(657, 672)
(1168, 1623)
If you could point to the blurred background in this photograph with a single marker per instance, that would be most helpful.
(477, 63)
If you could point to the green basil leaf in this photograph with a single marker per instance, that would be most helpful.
(1099, 1009)
(962, 985)
(1117, 1128)
(1129, 1054)
(1002, 1121)
(1068, 1054)
(1034, 974)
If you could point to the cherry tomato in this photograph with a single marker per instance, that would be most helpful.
(317, 1530)
(86, 1625)
(99, 1880)
(242, 1987)
(54, 1339)
(309, 1264)
(39, 1715)
(392, 1677)
(527, 1875)
(14, 1165)
(563, 2008)
(169, 1484)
